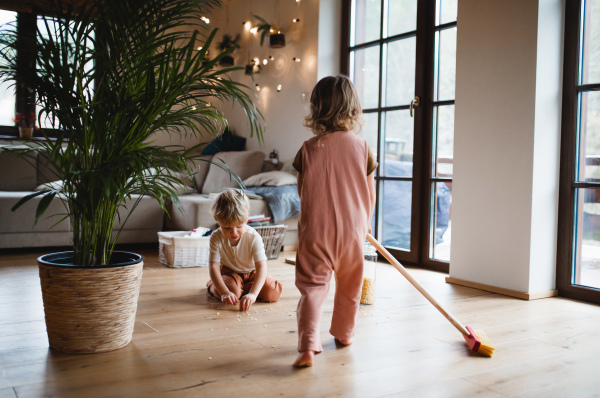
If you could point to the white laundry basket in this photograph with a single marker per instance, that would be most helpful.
(177, 251)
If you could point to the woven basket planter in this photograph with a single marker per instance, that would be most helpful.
(90, 309)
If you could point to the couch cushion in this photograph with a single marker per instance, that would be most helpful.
(46, 172)
(201, 167)
(271, 179)
(23, 219)
(244, 164)
(195, 212)
(224, 143)
(20, 172)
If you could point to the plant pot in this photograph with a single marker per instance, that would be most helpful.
(25, 132)
(227, 60)
(277, 40)
(90, 309)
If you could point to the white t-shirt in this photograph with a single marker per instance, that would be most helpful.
(241, 257)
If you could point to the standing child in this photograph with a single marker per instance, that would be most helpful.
(238, 263)
(337, 190)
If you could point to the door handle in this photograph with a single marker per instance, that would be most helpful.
(414, 103)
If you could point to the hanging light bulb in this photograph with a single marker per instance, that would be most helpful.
(254, 30)
(257, 87)
(278, 87)
(206, 20)
(199, 48)
(247, 25)
(271, 58)
(296, 59)
(265, 61)
(296, 20)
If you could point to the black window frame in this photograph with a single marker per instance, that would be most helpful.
(24, 99)
(568, 157)
(422, 179)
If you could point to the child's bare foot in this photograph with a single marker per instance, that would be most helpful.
(305, 359)
(344, 342)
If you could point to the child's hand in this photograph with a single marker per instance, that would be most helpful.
(247, 301)
(229, 298)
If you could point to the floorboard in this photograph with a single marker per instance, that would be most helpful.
(188, 344)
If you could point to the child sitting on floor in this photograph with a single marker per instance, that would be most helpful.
(238, 263)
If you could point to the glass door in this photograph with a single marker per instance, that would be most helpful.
(401, 56)
(578, 271)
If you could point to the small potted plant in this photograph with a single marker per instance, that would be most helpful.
(227, 43)
(26, 124)
(253, 66)
(276, 38)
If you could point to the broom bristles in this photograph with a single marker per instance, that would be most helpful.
(479, 342)
(486, 347)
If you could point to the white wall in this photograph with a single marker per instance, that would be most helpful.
(330, 37)
(507, 129)
(283, 111)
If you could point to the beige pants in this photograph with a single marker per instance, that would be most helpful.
(241, 283)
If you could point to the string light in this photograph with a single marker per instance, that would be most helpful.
(271, 58)
(247, 25)
(265, 61)
(206, 20)
(254, 30)
(199, 48)
(257, 87)
(296, 59)
(278, 87)
(296, 20)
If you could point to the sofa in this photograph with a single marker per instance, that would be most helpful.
(211, 177)
(24, 176)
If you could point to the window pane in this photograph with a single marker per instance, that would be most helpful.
(398, 144)
(50, 28)
(365, 74)
(400, 75)
(590, 47)
(369, 131)
(589, 136)
(445, 66)
(443, 124)
(396, 215)
(439, 236)
(446, 11)
(7, 104)
(7, 93)
(402, 16)
(366, 16)
(586, 270)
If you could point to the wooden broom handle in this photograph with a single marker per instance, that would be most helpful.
(416, 284)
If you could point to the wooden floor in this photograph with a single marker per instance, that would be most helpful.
(186, 344)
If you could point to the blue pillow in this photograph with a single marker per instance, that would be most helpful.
(226, 142)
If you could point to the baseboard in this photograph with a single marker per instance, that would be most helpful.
(500, 290)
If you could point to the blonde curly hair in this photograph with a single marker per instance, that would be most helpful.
(231, 206)
(334, 106)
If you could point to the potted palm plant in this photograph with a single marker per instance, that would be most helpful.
(110, 75)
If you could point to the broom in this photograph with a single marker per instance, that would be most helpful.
(477, 341)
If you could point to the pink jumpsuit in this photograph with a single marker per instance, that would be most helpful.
(335, 207)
